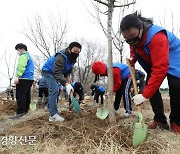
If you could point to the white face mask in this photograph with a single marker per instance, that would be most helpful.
(19, 53)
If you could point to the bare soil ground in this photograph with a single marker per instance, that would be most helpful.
(81, 133)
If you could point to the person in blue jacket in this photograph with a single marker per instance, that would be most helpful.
(78, 90)
(98, 90)
(57, 70)
(23, 80)
(43, 90)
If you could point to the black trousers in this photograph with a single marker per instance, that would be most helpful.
(125, 91)
(96, 96)
(157, 102)
(80, 93)
(157, 105)
(44, 91)
(11, 93)
(174, 92)
(23, 95)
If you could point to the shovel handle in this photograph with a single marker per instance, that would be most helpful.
(132, 71)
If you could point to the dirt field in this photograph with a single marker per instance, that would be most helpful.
(80, 134)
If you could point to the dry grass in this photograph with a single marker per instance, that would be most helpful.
(84, 134)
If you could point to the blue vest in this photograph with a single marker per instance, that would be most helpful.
(29, 71)
(49, 65)
(174, 51)
(101, 89)
(124, 69)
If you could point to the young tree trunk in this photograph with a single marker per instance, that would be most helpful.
(112, 118)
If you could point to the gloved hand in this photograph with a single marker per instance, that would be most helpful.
(16, 80)
(69, 89)
(139, 99)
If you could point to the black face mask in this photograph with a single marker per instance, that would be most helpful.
(74, 55)
(134, 41)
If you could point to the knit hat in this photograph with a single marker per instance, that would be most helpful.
(99, 68)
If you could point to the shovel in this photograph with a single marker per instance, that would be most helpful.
(102, 112)
(33, 106)
(140, 129)
(75, 104)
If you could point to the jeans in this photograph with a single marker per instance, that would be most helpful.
(53, 92)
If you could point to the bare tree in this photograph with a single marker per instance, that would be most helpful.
(46, 34)
(9, 62)
(110, 5)
(101, 11)
(38, 63)
(172, 23)
(11, 67)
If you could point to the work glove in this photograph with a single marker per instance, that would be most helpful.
(16, 80)
(139, 99)
(69, 89)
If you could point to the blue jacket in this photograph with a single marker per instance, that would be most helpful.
(101, 89)
(29, 71)
(124, 69)
(49, 65)
(174, 51)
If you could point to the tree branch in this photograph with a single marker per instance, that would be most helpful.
(99, 1)
(124, 5)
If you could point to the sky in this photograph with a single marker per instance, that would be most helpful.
(14, 15)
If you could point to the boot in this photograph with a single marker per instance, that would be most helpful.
(154, 124)
(175, 128)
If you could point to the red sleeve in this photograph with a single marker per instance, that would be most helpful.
(159, 50)
(117, 78)
(132, 56)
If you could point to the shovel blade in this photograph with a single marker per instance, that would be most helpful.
(75, 104)
(140, 134)
(102, 113)
(33, 106)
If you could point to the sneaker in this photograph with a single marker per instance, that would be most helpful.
(17, 116)
(175, 128)
(46, 107)
(56, 117)
(156, 124)
(127, 115)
